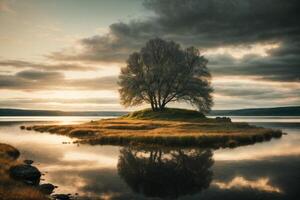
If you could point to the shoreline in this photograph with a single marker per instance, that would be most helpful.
(209, 133)
(21, 180)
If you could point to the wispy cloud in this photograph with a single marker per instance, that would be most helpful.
(20, 64)
(33, 80)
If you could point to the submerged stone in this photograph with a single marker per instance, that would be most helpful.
(61, 196)
(28, 162)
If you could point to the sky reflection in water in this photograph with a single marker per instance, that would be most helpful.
(267, 170)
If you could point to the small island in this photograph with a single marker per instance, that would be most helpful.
(171, 127)
(161, 73)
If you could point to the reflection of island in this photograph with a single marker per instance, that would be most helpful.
(165, 173)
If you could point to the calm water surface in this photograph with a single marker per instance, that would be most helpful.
(269, 170)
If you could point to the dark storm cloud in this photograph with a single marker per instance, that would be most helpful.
(273, 68)
(256, 91)
(205, 23)
(43, 66)
(208, 24)
(41, 80)
(31, 80)
(40, 75)
(218, 22)
(10, 81)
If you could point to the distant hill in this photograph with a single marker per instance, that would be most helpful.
(278, 111)
(21, 112)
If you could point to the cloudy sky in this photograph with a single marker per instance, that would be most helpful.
(66, 54)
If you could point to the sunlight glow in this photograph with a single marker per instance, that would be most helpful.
(240, 51)
(102, 69)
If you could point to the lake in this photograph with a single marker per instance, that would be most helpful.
(269, 170)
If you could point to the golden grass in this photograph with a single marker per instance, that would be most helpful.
(8, 152)
(122, 131)
(12, 190)
(9, 188)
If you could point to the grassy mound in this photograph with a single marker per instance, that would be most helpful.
(167, 114)
(8, 152)
(171, 127)
(11, 189)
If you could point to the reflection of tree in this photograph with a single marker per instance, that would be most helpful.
(165, 173)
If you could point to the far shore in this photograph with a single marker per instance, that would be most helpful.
(173, 127)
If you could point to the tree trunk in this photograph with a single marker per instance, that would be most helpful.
(152, 106)
(155, 104)
(162, 107)
(151, 102)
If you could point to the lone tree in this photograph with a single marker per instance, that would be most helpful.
(163, 72)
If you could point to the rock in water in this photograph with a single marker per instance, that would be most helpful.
(28, 162)
(25, 173)
(61, 196)
(46, 188)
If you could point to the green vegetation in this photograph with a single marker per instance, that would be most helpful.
(172, 127)
(167, 114)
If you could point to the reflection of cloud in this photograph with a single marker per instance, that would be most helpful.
(240, 182)
(102, 160)
(91, 183)
(260, 153)
(286, 146)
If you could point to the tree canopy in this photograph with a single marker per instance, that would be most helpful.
(163, 72)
